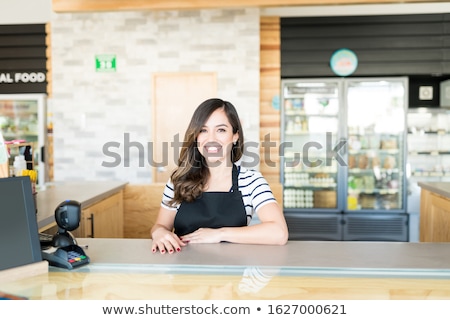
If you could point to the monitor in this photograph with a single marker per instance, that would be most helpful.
(19, 239)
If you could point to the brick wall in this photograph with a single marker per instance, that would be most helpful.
(92, 108)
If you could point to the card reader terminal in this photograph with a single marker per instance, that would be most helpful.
(69, 257)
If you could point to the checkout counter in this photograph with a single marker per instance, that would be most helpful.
(303, 270)
(435, 211)
(127, 269)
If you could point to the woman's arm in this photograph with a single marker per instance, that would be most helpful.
(272, 230)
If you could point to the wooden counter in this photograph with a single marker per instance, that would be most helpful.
(435, 211)
(87, 193)
(126, 269)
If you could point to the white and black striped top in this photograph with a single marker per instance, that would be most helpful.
(253, 186)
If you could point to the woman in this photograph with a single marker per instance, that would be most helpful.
(208, 198)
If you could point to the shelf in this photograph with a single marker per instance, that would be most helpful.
(292, 133)
(430, 132)
(429, 153)
(19, 134)
(14, 150)
(381, 134)
(430, 174)
(372, 191)
(366, 171)
(289, 157)
(309, 133)
(363, 151)
(312, 186)
(292, 113)
(329, 170)
(433, 110)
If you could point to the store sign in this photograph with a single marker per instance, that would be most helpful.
(343, 62)
(22, 77)
(105, 63)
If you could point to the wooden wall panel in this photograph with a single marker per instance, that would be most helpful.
(49, 78)
(270, 84)
(48, 53)
(270, 90)
(141, 205)
(115, 5)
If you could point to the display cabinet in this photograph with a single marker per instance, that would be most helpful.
(428, 157)
(429, 144)
(23, 123)
(343, 155)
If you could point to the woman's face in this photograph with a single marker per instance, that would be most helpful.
(216, 138)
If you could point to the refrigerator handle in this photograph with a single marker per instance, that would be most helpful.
(43, 154)
(345, 148)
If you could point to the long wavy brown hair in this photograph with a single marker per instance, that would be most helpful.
(192, 173)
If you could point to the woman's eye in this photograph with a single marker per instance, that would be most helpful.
(221, 130)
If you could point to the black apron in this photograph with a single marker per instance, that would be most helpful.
(212, 210)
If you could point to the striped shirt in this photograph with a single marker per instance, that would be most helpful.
(253, 186)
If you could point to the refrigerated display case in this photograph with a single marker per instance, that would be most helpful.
(311, 116)
(343, 158)
(428, 145)
(23, 125)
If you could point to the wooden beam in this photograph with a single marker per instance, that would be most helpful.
(121, 5)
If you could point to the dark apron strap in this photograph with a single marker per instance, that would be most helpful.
(235, 178)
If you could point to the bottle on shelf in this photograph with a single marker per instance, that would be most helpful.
(19, 165)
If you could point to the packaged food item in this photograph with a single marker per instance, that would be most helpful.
(352, 202)
(388, 144)
(367, 201)
(351, 162)
(389, 162)
(363, 162)
(325, 199)
(376, 162)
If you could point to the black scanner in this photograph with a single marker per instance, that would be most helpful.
(67, 216)
(65, 253)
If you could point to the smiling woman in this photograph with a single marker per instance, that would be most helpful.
(209, 198)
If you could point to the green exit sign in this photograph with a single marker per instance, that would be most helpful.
(105, 63)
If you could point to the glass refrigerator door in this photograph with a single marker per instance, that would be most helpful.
(310, 123)
(376, 116)
(22, 121)
(429, 144)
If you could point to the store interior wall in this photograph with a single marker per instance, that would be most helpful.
(37, 11)
(92, 109)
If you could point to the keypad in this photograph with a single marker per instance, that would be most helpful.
(75, 258)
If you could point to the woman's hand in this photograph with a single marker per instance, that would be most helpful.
(166, 241)
(203, 235)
